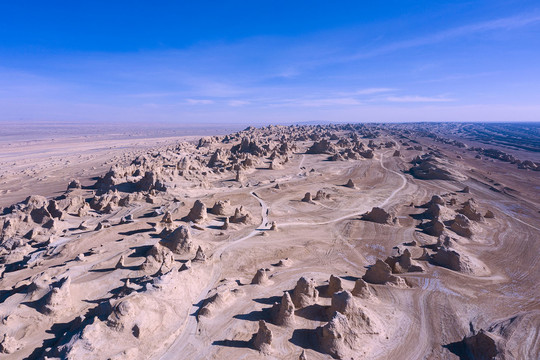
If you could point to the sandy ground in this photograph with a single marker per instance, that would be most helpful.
(426, 315)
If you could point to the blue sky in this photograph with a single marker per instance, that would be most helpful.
(269, 61)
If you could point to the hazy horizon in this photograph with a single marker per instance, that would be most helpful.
(270, 62)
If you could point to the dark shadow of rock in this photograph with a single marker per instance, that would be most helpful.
(305, 338)
(458, 348)
(269, 300)
(263, 314)
(313, 312)
(233, 343)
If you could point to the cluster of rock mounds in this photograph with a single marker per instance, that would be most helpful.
(342, 150)
(501, 155)
(434, 167)
(463, 222)
(351, 325)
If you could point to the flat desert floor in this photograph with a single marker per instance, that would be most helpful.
(363, 241)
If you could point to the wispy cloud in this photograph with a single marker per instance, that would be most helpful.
(315, 102)
(417, 99)
(199, 101)
(371, 91)
(506, 23)
(237, 103)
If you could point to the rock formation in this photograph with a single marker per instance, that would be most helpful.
(179, 241)
(200, 256)
(334, 285)
(379, 216)
(221, 207)
(260, 277)
(58, 299)
(402, 263)
(197, 214)
(263, 338)
(241, 216)
(381, 273)
(283, 312)
(304, 293)
(361, 289)
(350, 184)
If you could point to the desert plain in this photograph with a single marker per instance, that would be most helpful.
(347, 241)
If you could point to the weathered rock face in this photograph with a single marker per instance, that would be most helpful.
(350, 184)
(218, 159)
(157, 257)
(304, 293)
(403, 263)
(381, 273)
(221, 207)
(197, 213)
(263, 338)
(241, 216)
(379, 216)
(434, 228)
(283, 313)
(470, 211)
(179, 241)
(167, 218)
(321, 147)
(431, 167)
(461, 226)
(307, 197)
(151, 181)
(334, 285)
(343, 302)
(321, 195)
(74, 184)
(336, 337)
(225, 225)
(58, 299)
(120, 264)
(361, 289)
(200, 256)
(451, 259)
(250, 146)
(260, 277)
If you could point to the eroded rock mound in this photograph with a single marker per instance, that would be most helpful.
(58, 299)
(197, 214)
(260, 277)
(179, 241)
(402, 263)
(263, 338)
(381, 273)
(283, 312)
(321, 147)
(241, 216)
(305, 293)
(221, 207)
(431, 167)
(379, 216)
